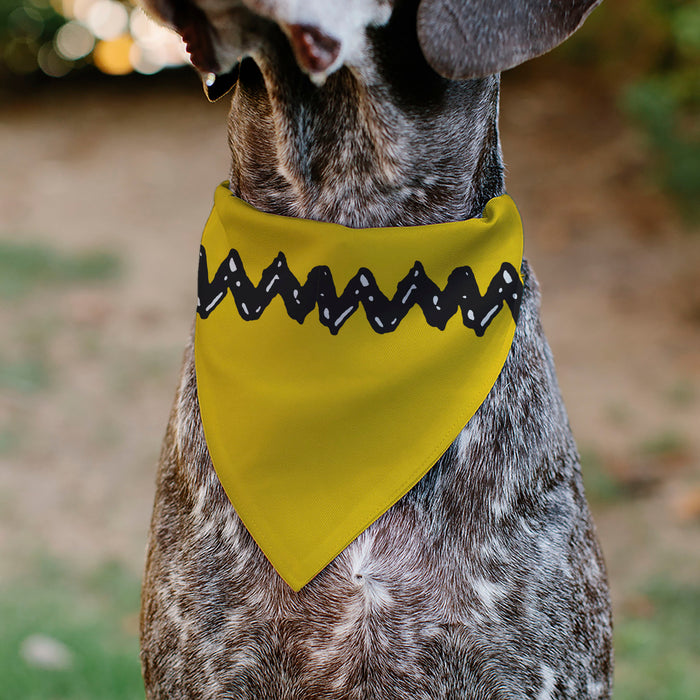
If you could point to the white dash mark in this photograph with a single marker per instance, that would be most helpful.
(364, 281)
(215, 301)
(408, 293)
(272, 281)
(343, 316)
(231, 265)
(378, 322)
(506, 277)
(488, 316)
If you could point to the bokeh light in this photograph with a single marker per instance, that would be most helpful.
(52, 63)
(112, 55)
(58, 36)
(26, 20)
(107, 19)
(20, 55)
(155, 47)
(73, 41)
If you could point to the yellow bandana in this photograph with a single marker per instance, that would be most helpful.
(336, 365)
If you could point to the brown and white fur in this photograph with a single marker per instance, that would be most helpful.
(486, 580)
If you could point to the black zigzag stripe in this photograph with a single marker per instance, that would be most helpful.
(384, 314)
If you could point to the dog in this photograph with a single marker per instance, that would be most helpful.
(486, 579)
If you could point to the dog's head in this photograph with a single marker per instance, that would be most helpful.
(460, 39)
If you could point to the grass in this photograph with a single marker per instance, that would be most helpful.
(93, 617)
(681, 394)
(658, 651)
(27, 266)
(645, 468)
(601, 486)
(665, 444)
(8, 440)
(24, 376)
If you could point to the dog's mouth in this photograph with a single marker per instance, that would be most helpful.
(315, 51)
(217, 42)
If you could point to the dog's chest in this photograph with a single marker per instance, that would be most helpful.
(489, 560)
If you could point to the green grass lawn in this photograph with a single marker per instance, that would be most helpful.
(658, 648)
(26, 267)
(93, 618)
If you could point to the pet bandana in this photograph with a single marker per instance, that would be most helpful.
(336, 365)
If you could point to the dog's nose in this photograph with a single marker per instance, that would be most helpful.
(314, 50)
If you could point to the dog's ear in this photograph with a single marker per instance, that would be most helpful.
(473, 38)
(191, 23)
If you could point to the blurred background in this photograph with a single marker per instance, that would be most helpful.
(109, 155)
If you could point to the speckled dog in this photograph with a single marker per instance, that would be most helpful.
(486, 580)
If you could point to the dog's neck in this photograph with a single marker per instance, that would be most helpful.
(389, 144)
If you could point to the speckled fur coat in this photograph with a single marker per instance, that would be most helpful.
(486, 580)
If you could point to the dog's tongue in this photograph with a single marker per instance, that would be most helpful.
(314, 50)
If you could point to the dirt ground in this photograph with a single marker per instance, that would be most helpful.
(131, 170)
